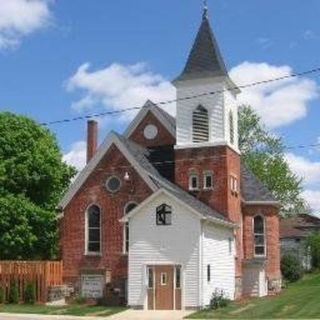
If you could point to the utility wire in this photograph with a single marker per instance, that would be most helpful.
(250, 85)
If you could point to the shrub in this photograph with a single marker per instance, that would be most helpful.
(313, 246)
(1, 295)
(30, 293)
(79, 300)
(13, 293)
(291, 268)
(218, 300)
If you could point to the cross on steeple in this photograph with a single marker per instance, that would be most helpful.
(205, 9)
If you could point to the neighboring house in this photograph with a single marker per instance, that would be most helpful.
(293, 233)
(165, 214)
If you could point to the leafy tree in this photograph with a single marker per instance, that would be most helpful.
(313, 246)
(291, 268)
(33, 178)
(30, 161)
(264, 154)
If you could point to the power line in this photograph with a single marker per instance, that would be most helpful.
(250, 85)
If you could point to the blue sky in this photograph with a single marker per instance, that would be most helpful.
(62, 58)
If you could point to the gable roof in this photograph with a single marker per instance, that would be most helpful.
(132, 154)
(253, 190)
(199, 213)
(299, 226)
(165, 118)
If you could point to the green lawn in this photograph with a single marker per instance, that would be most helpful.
(300, 301)
(74, 310)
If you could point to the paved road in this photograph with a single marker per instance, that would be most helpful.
(126, 315)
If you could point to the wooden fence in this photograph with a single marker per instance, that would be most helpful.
(43, 274)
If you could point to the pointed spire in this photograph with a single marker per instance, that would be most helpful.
(205, 59)
(205, 10)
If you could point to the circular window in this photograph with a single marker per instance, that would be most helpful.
(113, 184)
(150, 131)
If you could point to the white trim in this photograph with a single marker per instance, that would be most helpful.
(111, 139)
(163, 191)
(149, 106)
(207, 144)
(86, 232)
(191, 176)
(124, 251)
(262, 203)
(264, 236)
(206, 174)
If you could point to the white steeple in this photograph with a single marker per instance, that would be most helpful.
(210, 118)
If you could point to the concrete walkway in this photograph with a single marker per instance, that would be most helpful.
(149, 315)
(126, 315)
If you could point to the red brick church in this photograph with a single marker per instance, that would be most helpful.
(166, 213)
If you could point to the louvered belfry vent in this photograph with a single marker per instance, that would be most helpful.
(200, 125)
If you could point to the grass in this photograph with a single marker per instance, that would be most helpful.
(300, 300)
(72, 310)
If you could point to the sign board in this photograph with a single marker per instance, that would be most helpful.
(92, 285)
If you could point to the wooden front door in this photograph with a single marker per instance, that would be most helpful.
(164, 276)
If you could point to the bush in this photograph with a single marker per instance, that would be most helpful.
(13, 293)
(30, 293)
(1, 295)
(218, 300)
(313, 246)
(291, 268)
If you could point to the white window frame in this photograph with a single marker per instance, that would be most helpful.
(191, 176)
(231, 128)
(205, 175)
(125, 226)
(86, 244)
(234, 185)
(259, 234)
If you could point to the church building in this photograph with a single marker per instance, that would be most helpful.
(166, 214)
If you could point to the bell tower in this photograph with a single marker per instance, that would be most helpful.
(209, 117)
(207, 157)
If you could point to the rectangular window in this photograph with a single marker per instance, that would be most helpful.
(259, 236)
(208, 180)
(193, 182)
(150, 277)
(126, 238)
(208, 272)
(230, 245)
(164, 215)
(164, 278)
(234, 184)
(178, 277)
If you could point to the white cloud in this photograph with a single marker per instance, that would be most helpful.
(310, 172)
(303, 167)
(77, 155)
(313, 198)
(19, 18)
(278, 103)
(118, 87)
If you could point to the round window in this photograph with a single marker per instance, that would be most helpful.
(113, 184)
(150, 131)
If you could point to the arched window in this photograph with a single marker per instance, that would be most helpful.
(259, 236)
(129, 207)
(93, 230)
(200, 125)
(231, 127)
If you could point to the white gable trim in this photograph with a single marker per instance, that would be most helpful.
(262, 203)
(149, 106)
(111, 139)
(195, 212)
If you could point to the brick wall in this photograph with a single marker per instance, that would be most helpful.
(93, 191)
(164, 137)
(223, 162)
(272, 237)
